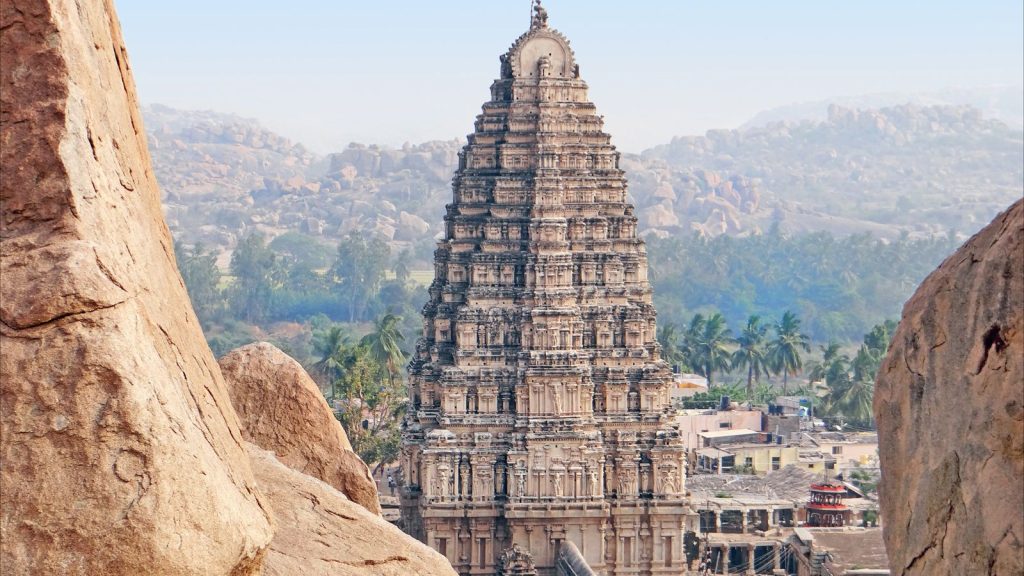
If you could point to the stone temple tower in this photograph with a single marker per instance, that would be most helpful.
(539, 400)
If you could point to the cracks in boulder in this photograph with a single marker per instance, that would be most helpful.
(916, 385)
(121, 57)
(993, 337)
(15, 21)
(366, 562)
(955, 494)
(951, 509)
(387, 560)
(339, 514)
(12, 331)
(203, 422)
(92, 143)
(106, 272)
(130, 466)
(394, 558)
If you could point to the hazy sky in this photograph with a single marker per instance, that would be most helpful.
(388, 71)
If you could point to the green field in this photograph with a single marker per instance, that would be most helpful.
(422, 277)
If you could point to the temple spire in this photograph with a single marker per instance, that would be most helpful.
(540, 406)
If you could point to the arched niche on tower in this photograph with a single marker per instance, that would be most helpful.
(547, 44)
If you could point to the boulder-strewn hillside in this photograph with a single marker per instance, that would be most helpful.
(203, 153)
(920, 170)
(224, 176)
(923, 170)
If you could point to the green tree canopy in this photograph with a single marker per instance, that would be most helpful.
(202, 280)
(370, 404)
(359, 269)
(256, 271)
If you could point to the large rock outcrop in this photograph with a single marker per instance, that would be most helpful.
(950, 408)
(321, 533)
(282, 410)
(121, 451)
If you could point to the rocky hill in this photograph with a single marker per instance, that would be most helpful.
(921, 170)
(906, 169)
(223, 176)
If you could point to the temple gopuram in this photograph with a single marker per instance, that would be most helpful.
(539, 402)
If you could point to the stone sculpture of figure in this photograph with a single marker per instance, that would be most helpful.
(544, 68)
(464, 476)
(521, 483)
(483, 480)
(627, 484)
(576, 71)
(643, 479)
(556, 397)
(515, 560)
(500, 479)
(668, 485)
(443, 492)
(558, 485)
(540, 16)
(506, 66)
(595, 489)
(435, 486)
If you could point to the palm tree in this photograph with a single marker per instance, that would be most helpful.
(384, 344)
(713, 346)
(850, 394)
(668, 337)
(858, 402)
(836, 374)
(784, 350)
(690, 348)
(328, 347)
(751, 353)
(829, 354)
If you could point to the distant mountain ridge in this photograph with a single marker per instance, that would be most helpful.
(919, 170)
(1003, 103)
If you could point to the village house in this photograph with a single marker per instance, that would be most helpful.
(850, 449)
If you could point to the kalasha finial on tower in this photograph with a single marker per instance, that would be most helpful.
(540, 16)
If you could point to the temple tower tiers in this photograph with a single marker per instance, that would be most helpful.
(539, 399)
